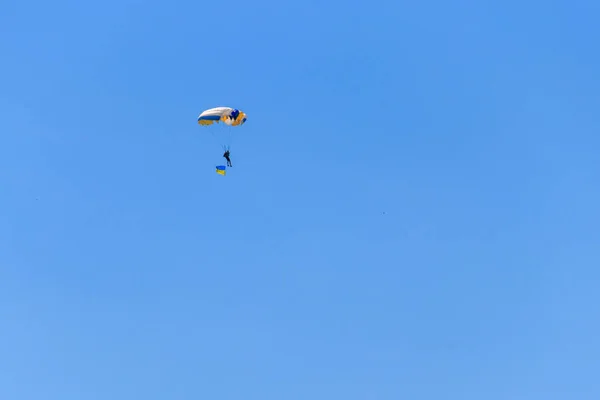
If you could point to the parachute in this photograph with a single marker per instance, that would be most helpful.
(231, 117)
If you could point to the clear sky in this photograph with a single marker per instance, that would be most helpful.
(412, 211)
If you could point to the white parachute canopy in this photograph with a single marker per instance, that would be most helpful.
(228, 115)
(231, 117)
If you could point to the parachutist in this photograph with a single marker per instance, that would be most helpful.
(226, 155)
(231, 117)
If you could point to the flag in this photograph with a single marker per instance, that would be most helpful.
(221, 170)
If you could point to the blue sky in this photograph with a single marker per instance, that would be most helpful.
(412, 211)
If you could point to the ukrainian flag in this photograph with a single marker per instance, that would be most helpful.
(221, 170)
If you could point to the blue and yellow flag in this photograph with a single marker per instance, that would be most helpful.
(221, 170)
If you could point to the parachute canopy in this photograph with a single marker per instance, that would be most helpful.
(230, 116)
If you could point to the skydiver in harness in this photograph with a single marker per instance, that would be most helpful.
(226, 155)
(232, 117)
